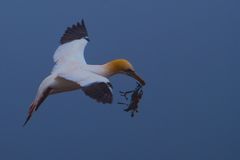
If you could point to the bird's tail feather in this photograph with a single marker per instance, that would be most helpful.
(36, 103)
(30, 112)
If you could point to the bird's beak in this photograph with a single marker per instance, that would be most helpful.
(135, 76)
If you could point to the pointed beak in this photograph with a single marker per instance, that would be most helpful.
(135, 76)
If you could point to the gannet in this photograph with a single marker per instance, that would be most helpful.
(71, 71)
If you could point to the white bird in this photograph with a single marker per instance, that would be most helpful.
(71, 71)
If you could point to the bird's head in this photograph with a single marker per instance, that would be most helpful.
(125, 67)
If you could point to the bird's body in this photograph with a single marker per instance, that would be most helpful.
(71, 71)
(58, 84)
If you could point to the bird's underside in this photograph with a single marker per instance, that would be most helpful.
(99, 91)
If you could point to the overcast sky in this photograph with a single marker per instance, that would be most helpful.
(187, 51)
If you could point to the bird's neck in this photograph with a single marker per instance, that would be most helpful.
(113, 67)
(107, 70)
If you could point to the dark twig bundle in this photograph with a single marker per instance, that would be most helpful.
(134, 101)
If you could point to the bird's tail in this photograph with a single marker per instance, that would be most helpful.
(36, 103)
(32, 108)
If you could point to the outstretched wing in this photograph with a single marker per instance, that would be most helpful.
(77, 31)
(73, 43)
(93, 85)
(100, 91)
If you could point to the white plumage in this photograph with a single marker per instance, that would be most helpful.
(71, 71)
(71, 64)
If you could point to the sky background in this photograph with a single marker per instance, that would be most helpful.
(187, 51)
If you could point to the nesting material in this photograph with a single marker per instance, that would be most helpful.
(136, 95)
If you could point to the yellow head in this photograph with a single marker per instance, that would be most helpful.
(123, 66)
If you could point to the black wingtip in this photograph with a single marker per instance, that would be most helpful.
(76, 31)
(26, 121)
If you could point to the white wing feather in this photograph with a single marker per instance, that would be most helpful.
(83, 77)
(71, 64)
(70, 52)
(93, 85)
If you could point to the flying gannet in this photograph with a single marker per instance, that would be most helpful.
(71, 71)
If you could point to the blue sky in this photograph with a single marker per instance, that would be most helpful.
(187, 52)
